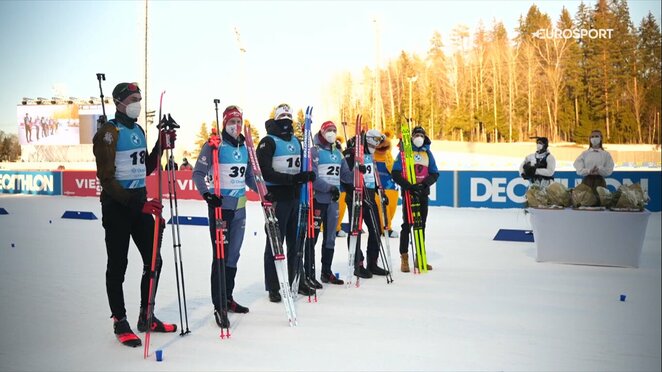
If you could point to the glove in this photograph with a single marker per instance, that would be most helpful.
(304, 177)
(335, 193)
(384, 200)
(429, 181)
(153, 206)
(212, 200)
(406, 186)
(362, 168)
(529, 170)
(269, 197)
(168, 138)
(418, 187)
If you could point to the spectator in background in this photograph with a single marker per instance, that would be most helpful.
(185, 165)
(27, 124)
(595, 163)
(539, 167)
(36, 127)
(172, 164)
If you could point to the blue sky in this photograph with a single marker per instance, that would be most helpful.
(294, 48)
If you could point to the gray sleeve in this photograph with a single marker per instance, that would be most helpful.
(203, 165)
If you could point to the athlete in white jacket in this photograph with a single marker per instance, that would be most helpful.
(595, 163)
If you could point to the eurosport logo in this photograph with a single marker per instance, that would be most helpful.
(43, 183)
(573, 33)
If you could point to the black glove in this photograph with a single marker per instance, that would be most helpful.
(362, 168)
(406, 186)
(212, 200)
(429, 181)
(304, 177)
(417, 189)
(384, 199)
(529, 170)
(269, 197)
(335, 193)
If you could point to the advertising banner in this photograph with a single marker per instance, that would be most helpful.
(506, 189)
(38, 183)
(80, 183)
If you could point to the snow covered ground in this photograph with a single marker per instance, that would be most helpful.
(487, 305)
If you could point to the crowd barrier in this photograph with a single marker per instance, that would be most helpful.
(478, 189)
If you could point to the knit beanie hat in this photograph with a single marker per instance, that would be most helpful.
(231, 112)
(327, 126)
(123, 90)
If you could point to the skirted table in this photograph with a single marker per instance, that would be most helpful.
(589, 237)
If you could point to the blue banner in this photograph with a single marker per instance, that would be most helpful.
(39, 183)
(441, 193)
(506, 189)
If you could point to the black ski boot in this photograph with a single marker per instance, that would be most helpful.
(234, 307)
(157, 325)
(221, 318)
(313, 283)
(305, 290)
(274, 296)
(330, 278)
(361, 272)
(376, 270)
(124, 333)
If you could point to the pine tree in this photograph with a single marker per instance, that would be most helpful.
(650, 64)
(201, 138)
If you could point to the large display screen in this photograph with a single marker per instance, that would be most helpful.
(71, 124)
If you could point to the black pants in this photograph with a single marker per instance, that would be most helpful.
(373, 225)
(406, 228)
(286, 213)
(120, 224)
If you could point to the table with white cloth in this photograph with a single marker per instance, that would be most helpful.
(589, 237)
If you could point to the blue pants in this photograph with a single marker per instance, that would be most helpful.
(235, 222)
(328, 214)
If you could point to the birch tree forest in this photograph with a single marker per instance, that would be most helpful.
(490, 85)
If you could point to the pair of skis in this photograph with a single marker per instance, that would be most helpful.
(305, 222)
(273, 231)
(357, 202)
(411, 200)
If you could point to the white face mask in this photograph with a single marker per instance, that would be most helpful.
(233, 130)
(595, 141)
(133, 110)
(330, 136)
(539, 146)
(418, 141)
